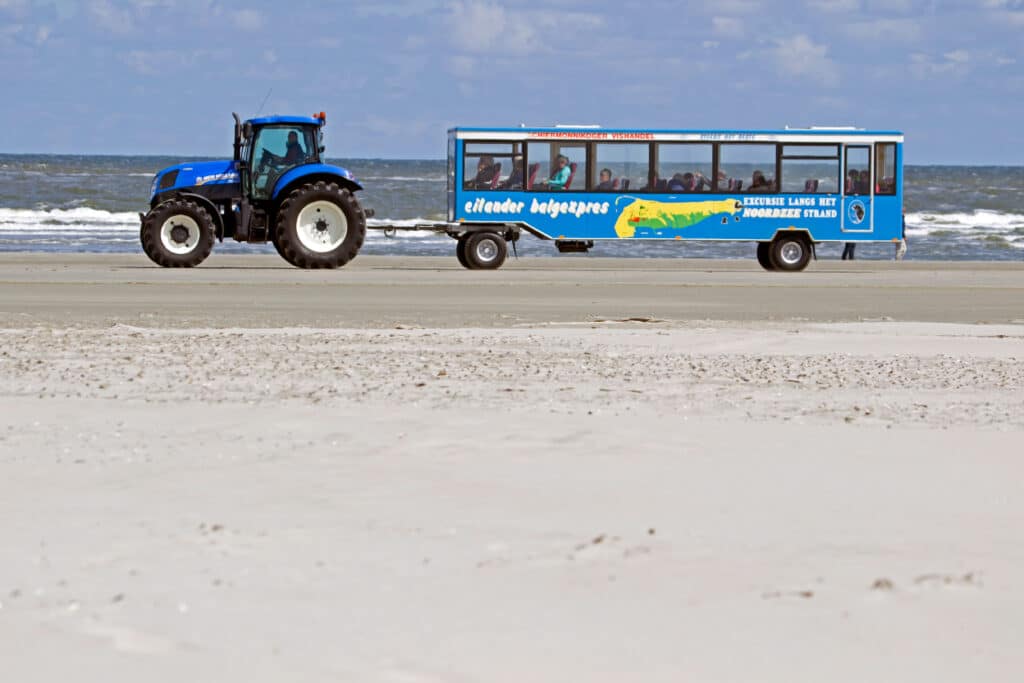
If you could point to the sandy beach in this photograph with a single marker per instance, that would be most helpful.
(567, 469)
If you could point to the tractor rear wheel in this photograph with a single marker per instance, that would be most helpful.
(177, 234)
(320, 225)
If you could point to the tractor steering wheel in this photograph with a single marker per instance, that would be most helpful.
(266, 159)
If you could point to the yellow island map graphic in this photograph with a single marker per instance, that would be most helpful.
(654, 215)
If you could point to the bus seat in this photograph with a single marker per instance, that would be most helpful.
(533, 175)
(625, 183)
(735, 185)
(572, 174)
(615, 183)
(497, 174)
(811, 185)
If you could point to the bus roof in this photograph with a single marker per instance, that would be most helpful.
(598, 134)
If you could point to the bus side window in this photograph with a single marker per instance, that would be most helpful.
(626, 163)
(885, 168)
(753, 163)
(492, 166)
(683, 167)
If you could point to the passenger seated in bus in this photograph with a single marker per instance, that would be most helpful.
(758, 183)
(484, 174)
(864, 183)
(605, 182)
(680, 183)
(559, 176)
(701, 183)
(851, 181)
(515, 178)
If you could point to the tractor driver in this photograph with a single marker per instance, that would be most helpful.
(293, 154)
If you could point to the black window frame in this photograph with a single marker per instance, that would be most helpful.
(776, 176)
(652, 158)
(587, 156)
(895, 168)
(592, 165)
(838, 158)
(496, 155)
(871, 171)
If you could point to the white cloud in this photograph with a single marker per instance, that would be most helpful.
(734, 6)
(727, 27)
(801, 57)
(955, 63)
(834, 5)
(884, 30)
(247, 20)
(483, 26)
(462, 66)
(110, 17)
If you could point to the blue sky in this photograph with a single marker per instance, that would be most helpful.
(163, 76)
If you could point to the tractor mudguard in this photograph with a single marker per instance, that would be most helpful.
(211, 208)
(343, 177)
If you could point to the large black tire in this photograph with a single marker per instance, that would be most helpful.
(485, 251)
(790, 253)
(177, 234)
(460, 250)
(319, 225)
(764, 256)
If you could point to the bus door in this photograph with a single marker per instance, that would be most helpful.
(451, 176)
(858, 190)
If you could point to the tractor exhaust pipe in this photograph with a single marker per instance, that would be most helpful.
(238, 136)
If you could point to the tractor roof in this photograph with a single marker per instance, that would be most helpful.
(293, 120)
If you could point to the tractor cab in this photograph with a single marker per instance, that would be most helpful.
(268, 148)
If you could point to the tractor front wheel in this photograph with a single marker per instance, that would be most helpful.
(177, 234)
(320, 225)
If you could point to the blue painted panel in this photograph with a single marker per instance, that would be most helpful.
(311, 169)
(197, 174)
(737, 216)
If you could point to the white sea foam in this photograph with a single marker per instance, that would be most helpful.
(76, 220)
(977, 223)
(38, 222)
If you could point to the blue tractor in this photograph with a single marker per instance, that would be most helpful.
(276, 188)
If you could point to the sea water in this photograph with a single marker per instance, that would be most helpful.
(54, 203)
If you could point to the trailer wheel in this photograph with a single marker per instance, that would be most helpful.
(485, 250)
(460, 250)
(177, 234)
(319, 225)
(764, 256)
(790, 253)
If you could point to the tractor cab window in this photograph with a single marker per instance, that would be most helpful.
(277, 150)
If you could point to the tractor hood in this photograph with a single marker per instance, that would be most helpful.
(194, 174)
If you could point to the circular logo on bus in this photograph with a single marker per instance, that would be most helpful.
(856, 211)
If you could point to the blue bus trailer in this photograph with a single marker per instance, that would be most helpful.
(785, 190)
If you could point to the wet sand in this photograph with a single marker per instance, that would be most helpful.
(255, 291)
(568, 469)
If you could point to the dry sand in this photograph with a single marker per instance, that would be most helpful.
(403, 471)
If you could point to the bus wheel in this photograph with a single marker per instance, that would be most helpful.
(790, 253)
(485, 250)
(764, 255)
(460, 250)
